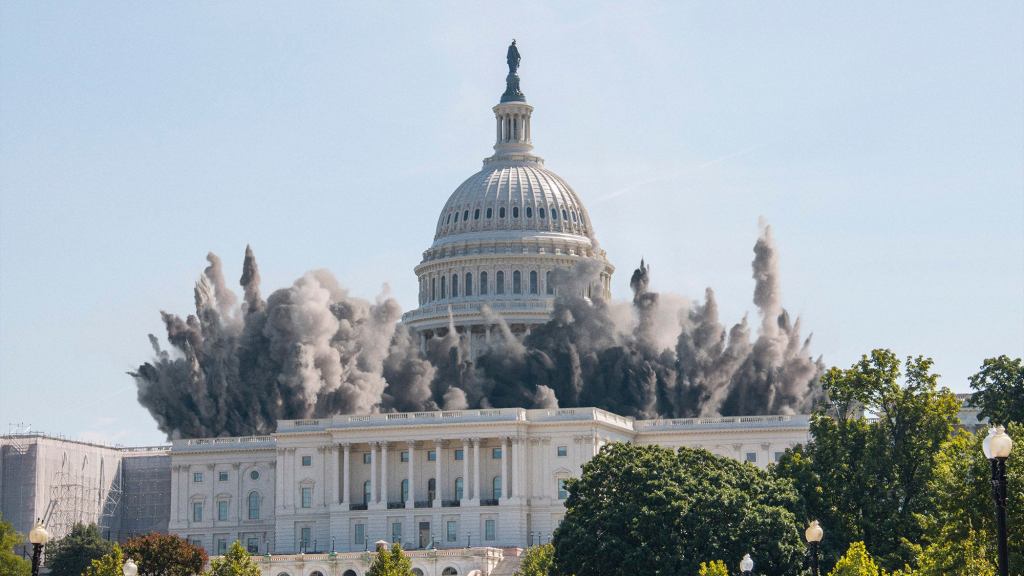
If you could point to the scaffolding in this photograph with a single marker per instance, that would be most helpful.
(75, 498)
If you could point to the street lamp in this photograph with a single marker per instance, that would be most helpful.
(814, 534)
(746, 565)
(129, 568)
(997, 447)
(38, 536)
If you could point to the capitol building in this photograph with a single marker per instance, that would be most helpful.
(463, 491)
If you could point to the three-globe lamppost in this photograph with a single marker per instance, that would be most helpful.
(746, 565)
(38, 536)
(997, 446)
(814, 534)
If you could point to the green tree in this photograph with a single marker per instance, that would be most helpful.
(713, 568)
(856, 562)
(165, 555)
(999, 386)
(651, 510)
(961, 525)
(537, 561)
(72, 554)
(237, 562)
(867, 479)
(391, 562)
(11, 563)
(109, 565)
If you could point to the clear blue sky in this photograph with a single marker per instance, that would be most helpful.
(884, 141)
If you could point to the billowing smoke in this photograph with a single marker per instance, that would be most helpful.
(313, 350)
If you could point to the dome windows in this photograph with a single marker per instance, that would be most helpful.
(456, 217)
(533, 282)
(529, 212)
(554, 214)
(469, 284)
(476, 214)
(499, 282)
(573, 215)
(455, 285)
(501, 212)
(442, 287)
(517, 282)
(449, 220)
(565, 215)
(489, 212)
(515, 211)
(465, 215)
(549, 288)
(540, 212)
(483, 283)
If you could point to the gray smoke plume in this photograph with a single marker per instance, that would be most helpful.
(313, 350)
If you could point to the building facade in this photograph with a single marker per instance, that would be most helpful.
(490, 478)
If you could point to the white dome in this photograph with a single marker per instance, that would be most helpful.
(513, 196)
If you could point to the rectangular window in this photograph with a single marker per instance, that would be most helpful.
(396, 532)
(451, 534)
(359, 534)
(778, 456)
(197, 476)
(222, 510)
(222, 476)
(222, 546)
(197, 542)
(496, 453)
(431, 455)
(404, 456)
(751, 456)
(197, 511)
(307, 496)
(307, 460)
(563, 451)
(489, 530)
(562, 492)
(305, 538)
(459, 454)
(366, 457)
(252, 545)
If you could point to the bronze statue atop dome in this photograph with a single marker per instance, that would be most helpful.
(512, 91)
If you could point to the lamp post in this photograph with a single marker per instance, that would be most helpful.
(38, 536)
(814, 534)
(129, 568)
(997, 447)
(746, 565)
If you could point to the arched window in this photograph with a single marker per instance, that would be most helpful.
(488, 213)
(442, 287)
(483, 283)
(455, 285)
(254, 506)
(501, 212)
(459, 487)
(554, 213)
(449, 571)
(283, 574)
(476, 214)
(433, 288)
(456, 217)
(565, 215)
(350, 573)
(366, 492)
(496, 488)
(316, 573)
(540, 212)
(517, 282)
(573, 215)
(469, 283)
(416, 572)
(405, 490)
(533, 282)
(449, 219)
(529, 212)
(548, 287)
(431, 489)
(465, 215)
(515, 211)
(499, 283)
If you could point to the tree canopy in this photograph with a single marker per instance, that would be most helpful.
(236, 562)
(713, 568)
(856, 562)
(651, 510)
(537, 561)
(867, 479)
(109, 565)
(74, 553)
(165, 555)
(10, 562)
(999, 390)
(390, 562)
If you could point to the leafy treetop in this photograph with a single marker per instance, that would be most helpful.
(11, 563)
(391, 562)
(236, 562)
(74, 553)
(165, 555)
(537, 561)
(999, 386)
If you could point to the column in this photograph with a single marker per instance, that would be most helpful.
(279, 482)
(239, 497)
(476, 469)
(345, 494)
(383, 497)
(517, 468)
(175, 481)
(325, 461)
(211, 508)
(504, 469)
(438, 481)
(411, 501)
(465, 471)
(373, 474)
